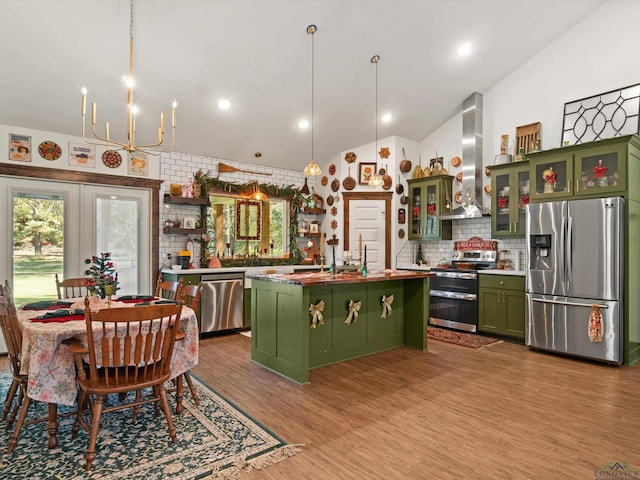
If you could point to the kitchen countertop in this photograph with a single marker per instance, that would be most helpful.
(312, 279)
(497, 271)
(417, 268)
(260, 269)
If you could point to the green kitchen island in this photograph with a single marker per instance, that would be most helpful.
(301, 321)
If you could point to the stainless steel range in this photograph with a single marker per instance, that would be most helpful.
(454, 290)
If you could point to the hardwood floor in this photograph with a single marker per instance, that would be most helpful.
(501, 412)
(450, 413)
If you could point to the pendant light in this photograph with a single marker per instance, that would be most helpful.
(376, 180)
(312, 168)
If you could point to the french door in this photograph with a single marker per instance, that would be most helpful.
(53, 227)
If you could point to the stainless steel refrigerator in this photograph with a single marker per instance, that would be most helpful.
(575, 262)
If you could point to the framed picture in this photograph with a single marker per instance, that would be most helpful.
(138, 164)
(314, 227)
(82, 155)
(189, 223)
(19, 147)
(365, 172)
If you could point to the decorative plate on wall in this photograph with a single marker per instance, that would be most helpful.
(401, 233)
(350, 157)
(49, 150)
(332, 169)
(111, 159)
(324, 180)
(334, 210)
(334, 224)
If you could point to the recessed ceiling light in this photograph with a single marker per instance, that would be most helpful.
(224, 104)
(302, 124)
(464, 49)
(386, 118)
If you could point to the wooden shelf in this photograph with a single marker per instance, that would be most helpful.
(185, 200)
(313, 210)
(184, 231)
(309, 234)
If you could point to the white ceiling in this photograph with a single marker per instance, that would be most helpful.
(257, 53)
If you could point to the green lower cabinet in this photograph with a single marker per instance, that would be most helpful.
(246, 309)
(501, 305)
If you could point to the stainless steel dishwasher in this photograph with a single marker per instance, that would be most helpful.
(222, 302)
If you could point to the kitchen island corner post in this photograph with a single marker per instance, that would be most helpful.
(279, 329)
(416, 320)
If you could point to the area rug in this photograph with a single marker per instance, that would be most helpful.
(216, 440)
(471, 340)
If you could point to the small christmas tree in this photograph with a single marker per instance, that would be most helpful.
(419, 258)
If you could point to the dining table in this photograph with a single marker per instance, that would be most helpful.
(49, 363)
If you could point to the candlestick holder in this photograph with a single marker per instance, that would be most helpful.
(321, 259)
(108, 290)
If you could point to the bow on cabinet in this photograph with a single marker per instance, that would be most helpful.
(386, 306)
(354, 308)
(316, 313)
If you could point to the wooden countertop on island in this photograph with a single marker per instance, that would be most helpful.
(326, 278)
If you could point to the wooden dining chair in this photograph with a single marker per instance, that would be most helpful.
(137, 358)
(71, 287)
(13, 342)
(168, 289)
(13, 338)
(190, 296)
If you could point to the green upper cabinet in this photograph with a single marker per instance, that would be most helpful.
(590, 170)
(509, 199)
(428, 198)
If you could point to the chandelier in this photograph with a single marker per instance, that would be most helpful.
(376, 180)
(312, 167)
(130, 146)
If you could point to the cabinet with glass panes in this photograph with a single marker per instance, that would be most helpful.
(589, 170)
(428, 198)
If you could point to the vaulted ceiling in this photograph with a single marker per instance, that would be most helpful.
(257, 54)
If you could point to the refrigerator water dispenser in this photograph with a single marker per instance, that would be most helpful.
(540, 253)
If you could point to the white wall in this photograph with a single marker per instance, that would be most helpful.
(597, 55)
(62, 163)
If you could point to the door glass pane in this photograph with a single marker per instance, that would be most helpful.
(38, 245)
(117, 232)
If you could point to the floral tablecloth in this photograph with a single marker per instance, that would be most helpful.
(50, 365)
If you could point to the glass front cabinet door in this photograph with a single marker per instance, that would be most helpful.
(510, 196)
(428, 198)
(594, 169)
(552, 175)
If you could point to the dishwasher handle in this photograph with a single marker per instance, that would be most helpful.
(222, 277)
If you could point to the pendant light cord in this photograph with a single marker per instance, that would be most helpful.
(312, 83)
(131, 22)
(375, 59)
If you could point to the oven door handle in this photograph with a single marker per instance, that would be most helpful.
(469, 276)
(454, 295)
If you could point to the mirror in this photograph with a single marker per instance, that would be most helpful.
(247, 220)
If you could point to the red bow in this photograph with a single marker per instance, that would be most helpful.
(503, 202)
(431, 209)
(598, 172)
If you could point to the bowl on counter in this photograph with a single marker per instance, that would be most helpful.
(176, 267)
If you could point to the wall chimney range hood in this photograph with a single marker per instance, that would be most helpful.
(472, 168)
